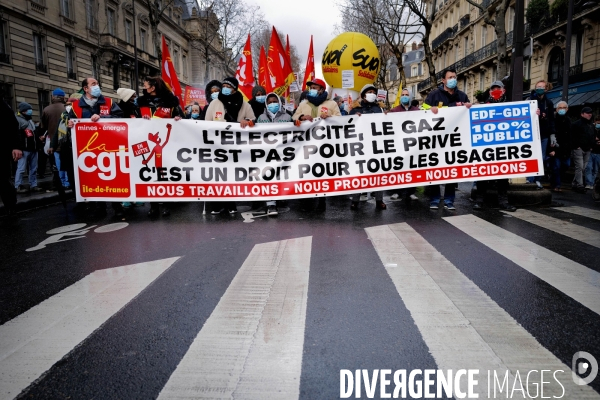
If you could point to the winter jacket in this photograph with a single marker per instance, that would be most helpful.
(216, 112)
(440, 96)
(166, 106)
(583, 134)
(563, 137)
(330, 107)
(596, 147)
(546, 117)
(129, 109)
(364, 107)
(257, 108)
(10, 136)
(280, 116)
(207, 94)
(51, 116)
(27, 135)
(87, 111)
(401, 108)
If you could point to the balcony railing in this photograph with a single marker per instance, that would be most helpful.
(446, 35)
(574, 70)
(4, 58)
(464, 21)
(41, 67)
(424, 84)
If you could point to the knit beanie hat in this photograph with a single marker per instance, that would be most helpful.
(125, 94)
(257, 89)
(232, 82)
(58, 92)
(24, 107)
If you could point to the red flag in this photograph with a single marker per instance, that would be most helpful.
(279, 65)
(264, 79)
(168, 72)
(289, 60)
(244, 72)
(309, 72)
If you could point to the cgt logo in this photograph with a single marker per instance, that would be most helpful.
(102, 155)
(584, 364)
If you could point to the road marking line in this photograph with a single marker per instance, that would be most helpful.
(33, 342)
(462, 326)
(585, 212)
(571, 278)
(251, 345)
(565, 228)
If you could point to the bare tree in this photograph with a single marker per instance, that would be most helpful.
(156, 9)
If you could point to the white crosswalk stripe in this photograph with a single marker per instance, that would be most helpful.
(573, 279)
(34, 341)
(251, 345)
(574, 231)
(461, 325)
(584, 212)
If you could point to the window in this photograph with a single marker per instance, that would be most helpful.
(128, 31)
(38, 53)
(414, 71)
(176, 60)
(576, 49)
(143, 39)
(455, 53)
(483, 35)
(184, 63)
(69, 52)
(91, 19)
(527, 68)
(116, 80)
(481, 81)
(66, 8)
(393, 73)
(43, 99)
(464, 89)
(110, 21)
(420, 69)
(466, 46)
(4, 57)
(494, 74)
(511, 19)
(95, 66)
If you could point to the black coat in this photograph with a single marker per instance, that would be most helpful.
(129, 109)
(169, 100)
(583, 134)
(439, 95)
(562, 125)
(9, 136)
(258, 108)
(546, 117)
(366, 108)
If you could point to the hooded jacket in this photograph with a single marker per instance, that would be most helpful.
(280, 116)
(546, 116)
(216, 112)
(208, 97)
(27, 135)
(364, 107)
(257, 107)
(166, 105)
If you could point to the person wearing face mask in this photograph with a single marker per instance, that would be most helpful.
(367, 105)
(229, 106)
(258, 100)
(446, 95)
(61, 142)
(546, 121)
(30, 146)
(212, 93)
(316, 103)
(128, 103)
(340, 102)
(195, 112)
(583, 141)
(405, 102)
(593, 165)
(274, 113)
(560, 148)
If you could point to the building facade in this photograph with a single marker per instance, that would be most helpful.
(413, 61)
(462, 40)
(46, 44)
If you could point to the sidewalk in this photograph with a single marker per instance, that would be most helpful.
(28, 201)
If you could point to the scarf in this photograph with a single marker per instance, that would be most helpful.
(90, 102)
(317, 100)
(233, 104)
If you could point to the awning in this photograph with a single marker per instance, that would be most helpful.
(586, 92)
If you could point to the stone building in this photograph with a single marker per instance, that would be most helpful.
(46, 44)
(413, 60)
(460, 39)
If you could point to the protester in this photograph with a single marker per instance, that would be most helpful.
(583, 141)
(30, 144)
(367, 105)
(316, 103)
(560, 146)
(274, 112)
(128, 103)
(446, 95)
(546, 121)
(593, 165)
(497, 94)
(50, 119)
(158, 101)
(195, 112)
(340, 102)
(61, 144)
(257, 102)
(11, 147)
(212, 93)
(230, 107)
(406, 105)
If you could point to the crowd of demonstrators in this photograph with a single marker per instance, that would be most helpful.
(446, 95)
(546, 121)
(367, 105)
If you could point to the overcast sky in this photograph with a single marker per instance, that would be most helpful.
(300, 20)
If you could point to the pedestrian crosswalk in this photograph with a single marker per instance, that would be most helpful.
(254, 343)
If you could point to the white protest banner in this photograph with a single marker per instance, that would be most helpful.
(167, 160)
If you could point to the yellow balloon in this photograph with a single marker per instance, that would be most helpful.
(351, 51)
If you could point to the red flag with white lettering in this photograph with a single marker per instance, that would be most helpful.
(264, 79)
(168, 72)
(309, 72)
(244, 72)
(279, 65)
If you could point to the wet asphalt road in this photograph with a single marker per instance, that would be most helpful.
(355, 318)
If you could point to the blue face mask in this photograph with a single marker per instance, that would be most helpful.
(313, 92)
(195, 115)
(135, 102)
(29, 112)
(597, 126)
(562, 112)
(96, 92)
(404, 99)
(273, 107)
(261, 99)
(226, 91)
(540, 91)
(451, 83)
(214, 95)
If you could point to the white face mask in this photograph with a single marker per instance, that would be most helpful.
(371, 97)
(68, 108)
